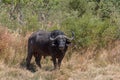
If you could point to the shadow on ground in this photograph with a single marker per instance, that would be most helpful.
(33, 68)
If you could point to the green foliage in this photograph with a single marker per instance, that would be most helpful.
(91, 31)
(78, 5)
(95, 22)
(106, 9)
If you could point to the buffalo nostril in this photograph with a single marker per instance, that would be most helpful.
(53, 44)
(61, 47)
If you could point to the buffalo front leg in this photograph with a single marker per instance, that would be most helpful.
(37, 60)
(59, 62)
(54, 62)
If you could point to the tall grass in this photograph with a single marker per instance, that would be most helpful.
(12, 46)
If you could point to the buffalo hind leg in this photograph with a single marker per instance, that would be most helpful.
(28, 59)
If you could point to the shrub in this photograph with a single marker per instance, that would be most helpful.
(91, 31)
(78, 5)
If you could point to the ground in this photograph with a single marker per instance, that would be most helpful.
(70, 70)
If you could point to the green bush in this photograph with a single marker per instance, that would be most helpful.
(91, 31)
(78, 5)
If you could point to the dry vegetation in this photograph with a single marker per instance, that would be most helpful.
(102, 64)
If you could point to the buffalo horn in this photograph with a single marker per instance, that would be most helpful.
(52, 39)
(63, 36)
(71, 37)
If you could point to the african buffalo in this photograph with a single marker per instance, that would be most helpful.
(43, 43)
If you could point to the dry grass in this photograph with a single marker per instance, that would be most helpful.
(12, 46)
(102, 64)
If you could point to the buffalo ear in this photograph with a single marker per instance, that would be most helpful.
(53, 44)
(52, 41)
(68, 42)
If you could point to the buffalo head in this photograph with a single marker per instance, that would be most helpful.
(61, 41)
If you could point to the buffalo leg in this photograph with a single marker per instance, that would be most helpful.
(54, 62)
(37, 60)
(59, 62)
(28, 59)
